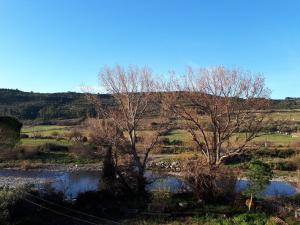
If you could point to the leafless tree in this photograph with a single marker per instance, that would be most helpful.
(111, 143)
(134, 94)
(222, 109)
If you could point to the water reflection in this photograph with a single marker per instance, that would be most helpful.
(275, 188)
(73, 183)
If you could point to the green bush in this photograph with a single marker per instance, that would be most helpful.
(9, 132)
(259, 175)
(242, 219)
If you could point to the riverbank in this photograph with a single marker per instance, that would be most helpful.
(14, 177)
(52, 166)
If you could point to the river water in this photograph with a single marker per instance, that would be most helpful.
(74, 182)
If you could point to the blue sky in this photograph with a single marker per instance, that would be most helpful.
(59, 45)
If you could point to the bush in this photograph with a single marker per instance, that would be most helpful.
(8, 204)
(76, 136)
(209, 185)
(247, 218)
(284, 166)
(51, 147)
(259, 175)
(242, 219)
(18, 153)
(237, 159)
(9, 132)
(295, 144)
(86, 151)
(55, 134)
(279, 153)
(24, 136)
(164, 141)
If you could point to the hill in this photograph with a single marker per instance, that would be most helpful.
(70, 106)
(45, 108)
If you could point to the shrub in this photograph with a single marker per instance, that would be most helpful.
(259, 175)
(24, 136)
(164, 141)
(247, 218)
(86, 151)
(280, 153)
(8, 203)
(9, 132)
(176, 142)
(55, 134)
(51, 147)
(295, 144)
(284, 166)
(76, 136)
(209, 185)
(242, 219)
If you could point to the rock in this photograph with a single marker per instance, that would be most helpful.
(177, 169)
(183, 204)
(297, 214)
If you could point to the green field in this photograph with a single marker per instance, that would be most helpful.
(37, 142)
(182, 135)
(276, 139)
(44, 130)
(292, 115)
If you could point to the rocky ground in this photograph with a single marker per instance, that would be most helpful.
(16, 177)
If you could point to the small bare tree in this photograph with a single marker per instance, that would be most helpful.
(134, 94)
(222, 109)
(111, 143)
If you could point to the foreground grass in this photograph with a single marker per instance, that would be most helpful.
(240, 219)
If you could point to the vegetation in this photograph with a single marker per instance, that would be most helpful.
(213, 128)
(133, 91)
(259, 175)
(69, 107)
(10, 129)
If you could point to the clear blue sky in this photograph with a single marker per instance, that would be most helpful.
(58, 45)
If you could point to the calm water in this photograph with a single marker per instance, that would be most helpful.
(275, 188)
(72, 183)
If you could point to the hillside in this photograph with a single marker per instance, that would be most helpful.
(29, 106)
(70, 106)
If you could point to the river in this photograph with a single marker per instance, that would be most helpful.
(71, 183)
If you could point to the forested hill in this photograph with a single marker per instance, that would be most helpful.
(45, 107)
(40, 107)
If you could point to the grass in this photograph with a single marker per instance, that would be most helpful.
(39, 159)
(286, 115)
(179, 135)
(278, 139)
(44, 130)
(37, 142)
(61, 158)
(241, 219)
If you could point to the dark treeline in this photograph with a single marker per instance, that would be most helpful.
(45, 107)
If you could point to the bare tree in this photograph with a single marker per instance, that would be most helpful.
(111, 143)
(222, 109)
(134, 94)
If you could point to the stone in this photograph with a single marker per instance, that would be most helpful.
(183, 204)
(297, 214)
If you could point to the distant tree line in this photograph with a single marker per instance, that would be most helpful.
(70, 105)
